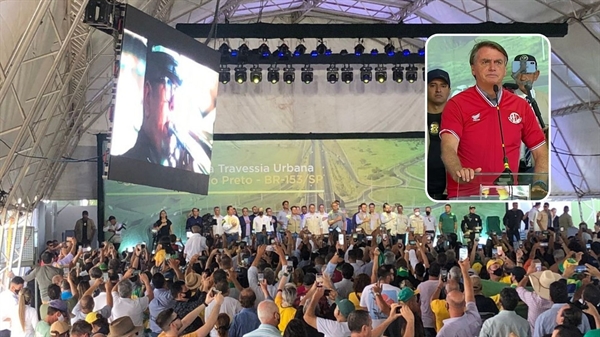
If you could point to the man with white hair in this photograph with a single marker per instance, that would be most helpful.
(268, 314)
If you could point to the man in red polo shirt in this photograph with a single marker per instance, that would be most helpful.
(475, 121)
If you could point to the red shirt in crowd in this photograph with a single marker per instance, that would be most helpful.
(472, 118)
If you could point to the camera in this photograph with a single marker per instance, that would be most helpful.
(398, 309)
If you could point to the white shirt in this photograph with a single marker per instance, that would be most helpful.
(31, 320)
(375, 218)
(331, 328)
(218, 229)
(532, 216)
(116, 238)
(430, 223)
(367, 300)
(230, 306)
(389, 220)
(134, 308)
(261, 221)
(195, 244)
(231, 224)
(10, 302)
(324, 224)
(99, 301)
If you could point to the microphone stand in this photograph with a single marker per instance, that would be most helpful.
(506, 177)
(534, 105)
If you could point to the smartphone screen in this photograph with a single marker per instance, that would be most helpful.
(261, 277)
(444, 275)
(530, 67)
(494, 251)
(412, 242)
(562, 229)
(319, 280)
(499, 250)
(588, 246)
(580, 269)
(355, 236)
(105, 277)
(463, 253)
(341, 239)
(538, 266)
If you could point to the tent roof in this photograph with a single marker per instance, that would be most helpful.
(55, 73)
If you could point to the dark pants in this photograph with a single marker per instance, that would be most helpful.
(5, 333)
(430, 332)
(513, 235)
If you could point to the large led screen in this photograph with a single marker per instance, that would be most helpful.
(165, 107)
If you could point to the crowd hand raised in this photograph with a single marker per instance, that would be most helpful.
(591, 310)
(465, 174)
(592, 270)
(394, 314)
(219, 299)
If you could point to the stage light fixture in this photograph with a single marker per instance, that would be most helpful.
(343, 52)
(264, 50)
(255, 74)
(307, 74)
(300, 50)
(411, 74)
(422, 52)
(240, 74)
(243, 49)
(406, 52)
(366, 74)
(374, 52)
(347, 75)
(283, 50)
(359, 49)
(381, 74)
(224, 49)
(273, 74)
(289, 75)
(224, 75)
(333, 74)
(389, 49)
(321, 48)
(398, 74)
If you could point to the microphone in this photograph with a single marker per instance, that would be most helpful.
(506, 178)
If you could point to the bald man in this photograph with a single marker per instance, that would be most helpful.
(247, 319)
(268, 314)
(462, 322)
(438, 306)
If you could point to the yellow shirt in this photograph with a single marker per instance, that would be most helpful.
(286, 314)
(355, 299)
(438, 307)
(160, 257)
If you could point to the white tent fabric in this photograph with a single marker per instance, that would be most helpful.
(55, 82)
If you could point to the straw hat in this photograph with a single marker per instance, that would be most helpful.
(541, 281)
(193, 281)
(123, 327)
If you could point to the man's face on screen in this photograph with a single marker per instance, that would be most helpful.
(438, 92)
(531, 78)
(489, 67)
(161, 101)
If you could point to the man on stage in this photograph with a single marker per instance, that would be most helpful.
(483, 127)
(438, 90)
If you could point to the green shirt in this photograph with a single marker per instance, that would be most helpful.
(42, 329)
(593, 333)
(448, 221)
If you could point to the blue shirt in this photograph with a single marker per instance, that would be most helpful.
(264, 330)
(162, 301)
(244, 322)
(546, 322)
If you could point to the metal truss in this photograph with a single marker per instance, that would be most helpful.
(575, 108)
(582, 14)
(409, 10)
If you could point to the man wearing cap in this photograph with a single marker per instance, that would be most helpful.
(538, 300)
(438, 90)
(495, 268)
(57, 312)
(153, 144)
(112, 232)
(483, 127)
(58, 329)
(471, 225)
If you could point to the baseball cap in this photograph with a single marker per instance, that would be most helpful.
(160, 64)
(472, 207)
(493, 262)
(406, 294)
(58, 305)
(103, 267)
(344, 306)
(526, 57)
(112, 217)
(59, 328)
(436, 74)
(92, 317)
(402, 272)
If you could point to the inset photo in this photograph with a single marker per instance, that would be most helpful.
(488, 117)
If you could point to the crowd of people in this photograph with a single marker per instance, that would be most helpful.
(385, 274)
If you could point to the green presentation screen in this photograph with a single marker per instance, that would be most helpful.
(264, 173)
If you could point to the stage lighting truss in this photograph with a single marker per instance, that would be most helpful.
(380, 74)
(333, 74)
(366, 74)
(398, 74)
(347, 74)
(224, 74)
(240, 74)
(307, 74)
(411, 74)
(255, 74)
(289, 74)
(273, 74)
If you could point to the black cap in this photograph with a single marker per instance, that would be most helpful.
(436, 74)
(160, 64)
(525, 57)
(112, 217)
(472, 207)
(518, 272)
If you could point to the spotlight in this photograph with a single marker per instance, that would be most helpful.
(273, 74)
(343, 52)
(225, 75)
(283, 50)
(366, 74)
(332, 74)
(381, 74)
(264, 50)
(389, 49)
(411, 74)
(307, 74)
(374, 52)
(347, 75)
(406, 52)
(240, 74)
(398, 74)
(300, 50)
(255, 74)
(321, 48)
(243, 49)
(422, 52)
(359, 49)
(289, 75)
(224, 49)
